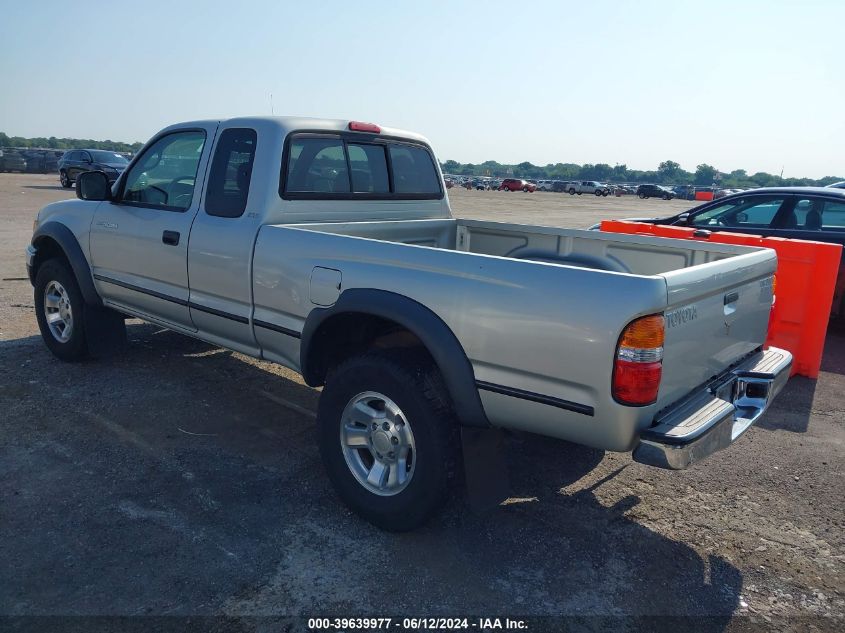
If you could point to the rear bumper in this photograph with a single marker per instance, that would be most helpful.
(715, 417)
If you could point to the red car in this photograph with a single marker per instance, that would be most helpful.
(515, 184)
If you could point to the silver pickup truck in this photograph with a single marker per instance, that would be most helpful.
(588, 186)
(329, 247)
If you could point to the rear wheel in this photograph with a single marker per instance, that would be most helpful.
(388, 438)
(63, 178)
(572, 192)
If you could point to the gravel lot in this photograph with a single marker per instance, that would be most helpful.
(182, 479)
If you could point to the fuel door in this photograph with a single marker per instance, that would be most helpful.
(325, 285)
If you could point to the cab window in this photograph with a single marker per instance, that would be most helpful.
(413, 170)
(165, 175)
(317, 165)
(369, 168)
(231, 173)
(336, 167)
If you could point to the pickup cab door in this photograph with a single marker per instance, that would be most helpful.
(139, 241)
(222, 239)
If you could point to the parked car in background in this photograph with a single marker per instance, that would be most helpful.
(655, 191)
(77, 161)
(559, 186)
(545, 185)
(12, 160)
(804, 213)
(588, 186)
(515, 184)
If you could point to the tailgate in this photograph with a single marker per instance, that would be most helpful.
(717, 314)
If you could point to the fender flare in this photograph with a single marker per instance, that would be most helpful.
(436, 336)
(67, 241)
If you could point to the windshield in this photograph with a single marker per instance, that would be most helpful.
(108, 158)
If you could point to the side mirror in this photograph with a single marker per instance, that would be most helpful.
(93, 185)
(683, 218)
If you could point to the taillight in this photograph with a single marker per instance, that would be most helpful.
(359, 126)
(639, 361)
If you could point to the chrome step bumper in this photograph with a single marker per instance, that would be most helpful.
(714, 418)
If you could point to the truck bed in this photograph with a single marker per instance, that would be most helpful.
(537, 308)
(572, 247)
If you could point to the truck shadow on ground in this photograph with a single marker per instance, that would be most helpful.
(181, 479)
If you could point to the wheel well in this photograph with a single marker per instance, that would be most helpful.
(48, 248)
(349, 334)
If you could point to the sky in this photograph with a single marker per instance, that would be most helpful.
(747, 85)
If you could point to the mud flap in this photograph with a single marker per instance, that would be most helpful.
(105, 331)
(485, 467)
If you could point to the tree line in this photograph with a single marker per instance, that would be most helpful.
(667, 173)
(67, 143)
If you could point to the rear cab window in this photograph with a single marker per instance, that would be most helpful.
(333, 166)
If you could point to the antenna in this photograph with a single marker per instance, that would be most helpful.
(271, 105)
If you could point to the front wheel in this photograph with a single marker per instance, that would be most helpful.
(59, 310)
(388, 438)
(525, 189)
(63, 178)
(572, 192)
(597, 192)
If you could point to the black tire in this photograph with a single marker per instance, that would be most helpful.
(414, 384)
(666, 196)
(65, 180)
(641, 196)
(597, 192)
(525, 189)
(604, 193)
(75, 348)
(572, 192)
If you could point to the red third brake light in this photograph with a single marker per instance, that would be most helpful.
(358, 126)
(639, 362)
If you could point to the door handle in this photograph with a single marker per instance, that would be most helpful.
(170, 237)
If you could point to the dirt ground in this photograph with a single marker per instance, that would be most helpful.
(183, 479)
